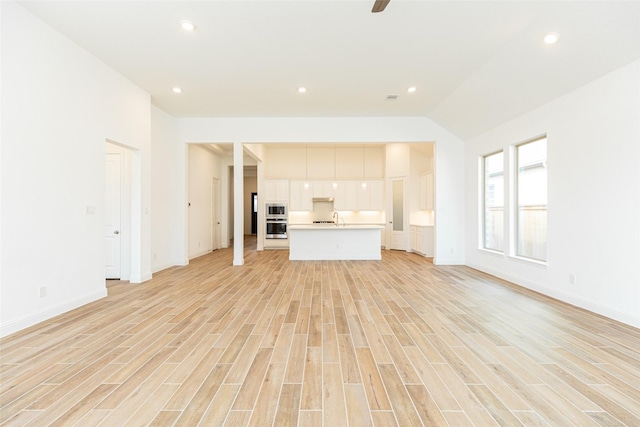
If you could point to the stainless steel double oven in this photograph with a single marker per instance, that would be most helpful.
(276, 221)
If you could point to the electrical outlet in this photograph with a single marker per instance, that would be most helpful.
(572, 278)
(43, 291)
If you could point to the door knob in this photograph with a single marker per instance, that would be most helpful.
(116, 232)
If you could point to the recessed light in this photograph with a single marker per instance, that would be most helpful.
(551, 38)
(177, 90)
(302, 89)
(411, 89)
(187, 25)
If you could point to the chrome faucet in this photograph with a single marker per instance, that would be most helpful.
(336, 217)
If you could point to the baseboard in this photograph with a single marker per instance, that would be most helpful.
(49, 312)
(199, 254)
(161, 267)
(140, 278)
(592, 306)
(447, 261)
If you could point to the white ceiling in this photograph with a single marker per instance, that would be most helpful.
(475, 64)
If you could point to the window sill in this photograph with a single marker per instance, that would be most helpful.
(492, 252)
(529, 261)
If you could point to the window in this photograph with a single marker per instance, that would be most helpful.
(531, 199)
(493, 215)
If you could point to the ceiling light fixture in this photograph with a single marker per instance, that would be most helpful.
(411, 89)
(551, 38)
(177, 90)
(302, 89)
(187, 25)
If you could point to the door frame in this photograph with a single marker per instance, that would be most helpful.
(116, 206)
(405, 214)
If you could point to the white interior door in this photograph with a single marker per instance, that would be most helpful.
(113, 198)
(397, 227)
(215, 209)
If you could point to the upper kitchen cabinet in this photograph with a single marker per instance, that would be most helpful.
(277, 190)
(300, 198)
(376, 195)
(425, 197)
(351, 196)
(323, 189)
(346, 196)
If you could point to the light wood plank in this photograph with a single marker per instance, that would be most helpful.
(392, 342)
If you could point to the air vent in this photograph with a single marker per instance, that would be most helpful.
(392, 97)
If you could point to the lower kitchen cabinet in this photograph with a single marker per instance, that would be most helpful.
(422, 239)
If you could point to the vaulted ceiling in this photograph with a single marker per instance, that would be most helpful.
(474, 64)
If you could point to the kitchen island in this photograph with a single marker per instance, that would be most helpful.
(331, 242)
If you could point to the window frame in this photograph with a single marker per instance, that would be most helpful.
(483, 202)
(514, 228)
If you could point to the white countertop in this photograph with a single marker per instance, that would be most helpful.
(335, 227)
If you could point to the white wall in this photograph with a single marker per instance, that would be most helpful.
(594, 196)
(60, 105)
(165, 207)
(203, 167)
(449, 155)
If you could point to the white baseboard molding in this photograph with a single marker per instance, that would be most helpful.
(160, 267)
(141, 278)
(447, 261)
(630, 319)
(49, 312)
(199, 254)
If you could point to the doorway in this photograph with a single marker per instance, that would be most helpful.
(119, 164)
(215, 214)
(113, 216)
(254, 213)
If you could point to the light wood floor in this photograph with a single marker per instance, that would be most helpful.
(391, 342)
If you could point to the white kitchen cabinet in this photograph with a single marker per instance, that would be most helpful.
(362, 197)
(277, 190)
(322, 189)
(422, 239)
(350, 196)
(425, 187)
(376, 195)
(300, 198)
(346, 196)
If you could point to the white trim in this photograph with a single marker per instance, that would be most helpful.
(161, 267)
(49, 312)
(141, 278)
(493, 252)
(448, 261)
(199, 254)
(530, 261)
(630, 319)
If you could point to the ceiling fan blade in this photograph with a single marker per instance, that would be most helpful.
(379, 5)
